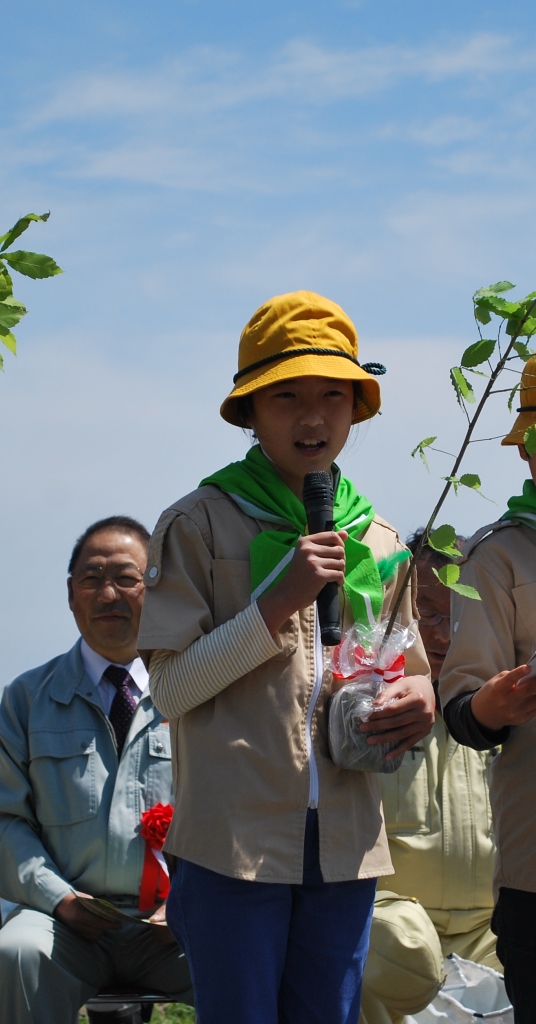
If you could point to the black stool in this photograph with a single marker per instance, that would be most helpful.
(125, 1007)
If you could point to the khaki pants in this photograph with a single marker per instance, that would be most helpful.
(404, 969)
(47, 971)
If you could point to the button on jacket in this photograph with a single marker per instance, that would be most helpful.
(242, 774)
(69, 812)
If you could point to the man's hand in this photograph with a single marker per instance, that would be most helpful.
(74, 915)
(509, 698)
(161, 931)
(407, 720)
(317, 560)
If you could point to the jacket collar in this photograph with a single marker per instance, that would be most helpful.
(71, 679)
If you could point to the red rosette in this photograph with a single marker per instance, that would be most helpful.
(155, 877)
(155, 824)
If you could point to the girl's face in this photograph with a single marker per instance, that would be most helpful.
(302, 424)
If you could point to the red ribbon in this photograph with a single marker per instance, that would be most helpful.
(364, 669)
(155, 877)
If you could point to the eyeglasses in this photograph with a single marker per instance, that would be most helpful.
(432, 620)
(121, 578)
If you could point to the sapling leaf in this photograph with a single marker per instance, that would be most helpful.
(6, 284)
(420, 449)
(529, 440)
(19, 227)
(513, 393)
(461, 385)
(9, 340)
(444, 539)
(501, 307)
(449, 575)
(32, 264)
(482, 314)
(528, 328)
(523, 350)
(494, 289)
(11, 312)
(477, 353)
(454, 480)
(472, 480)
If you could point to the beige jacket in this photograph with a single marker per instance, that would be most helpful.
(496, 633)
(241, 762)
(438, 820)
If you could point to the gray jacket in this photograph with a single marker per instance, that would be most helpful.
(69, 812)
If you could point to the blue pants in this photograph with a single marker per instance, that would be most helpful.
(263, 953)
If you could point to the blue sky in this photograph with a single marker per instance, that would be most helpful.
(199, 157)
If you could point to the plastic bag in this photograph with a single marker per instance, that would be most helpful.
(471, 993)
(369, 666)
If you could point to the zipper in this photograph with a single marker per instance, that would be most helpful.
(319, 673)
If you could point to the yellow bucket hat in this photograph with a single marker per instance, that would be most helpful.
(296, 335)
(527, 409)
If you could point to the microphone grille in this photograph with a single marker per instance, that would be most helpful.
(317, 486)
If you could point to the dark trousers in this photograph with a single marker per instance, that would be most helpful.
(514, 923)
(263, 953)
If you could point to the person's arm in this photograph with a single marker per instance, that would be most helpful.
(483, 692)
(28, 875)
(181, 680)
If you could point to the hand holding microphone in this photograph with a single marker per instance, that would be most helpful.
(316, 558)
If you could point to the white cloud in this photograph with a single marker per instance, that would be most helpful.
(210, 79)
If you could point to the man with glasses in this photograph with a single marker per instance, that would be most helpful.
(438, 821)
(83, 754)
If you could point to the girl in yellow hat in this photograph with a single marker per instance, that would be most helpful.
(277, 849)
(488, 693)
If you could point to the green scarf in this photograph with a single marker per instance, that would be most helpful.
(522, 508)
(256, 487)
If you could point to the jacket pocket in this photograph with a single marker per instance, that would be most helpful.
(405, 796)
(63, 773)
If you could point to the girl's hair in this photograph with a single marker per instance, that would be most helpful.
(244, 405)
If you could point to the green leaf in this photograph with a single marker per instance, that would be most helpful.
(6, 284)
(454, 480)
(523, 350)
(420, 449)
(11, 312)
(529, 327)
(32, 264)
(482, 315)
(470, 480)
(513, 393)
(449, 576)
(444, 539)
(8, 339)
(529, 440)
(494, 304)
(477, 353)
(494, 289)
(461, 385)
(19, 227)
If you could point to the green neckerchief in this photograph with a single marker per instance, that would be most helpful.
(522, 508)
(256, 487)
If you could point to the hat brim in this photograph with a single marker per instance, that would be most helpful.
(519, 429)
(334, 367)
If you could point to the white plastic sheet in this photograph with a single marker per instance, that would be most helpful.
(471, 993)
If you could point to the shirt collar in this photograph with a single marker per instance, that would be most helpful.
(95, 665)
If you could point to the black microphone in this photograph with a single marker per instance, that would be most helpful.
(318, 502)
